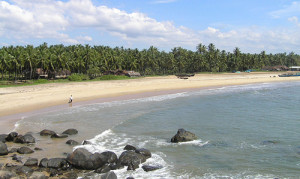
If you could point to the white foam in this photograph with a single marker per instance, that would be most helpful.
(199, 143)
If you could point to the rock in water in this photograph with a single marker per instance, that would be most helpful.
(47, 132)
(149, 168)
(28, 138)
(131, 159)
(183, 136)
(59, 136)
(109, 175)
(11, 136)
(3, 149)
(111, 157)
(129, 147)
(72, 142)
(144, 152)
(70, 132)
(83, 159)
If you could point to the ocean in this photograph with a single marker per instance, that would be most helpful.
(246, 131)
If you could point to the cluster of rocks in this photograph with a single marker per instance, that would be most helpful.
(79, 162)
(76, 163)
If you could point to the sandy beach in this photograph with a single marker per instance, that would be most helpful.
(17, 100)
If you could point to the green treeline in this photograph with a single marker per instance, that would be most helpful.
(16, 61)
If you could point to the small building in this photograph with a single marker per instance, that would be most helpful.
(276, 68)
(295, 68)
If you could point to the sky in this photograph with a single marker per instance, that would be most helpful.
(252, 25)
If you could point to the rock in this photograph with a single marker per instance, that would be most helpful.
(70, 132)
(59, 136)
(268, 142)
(37, 149)
(47, 132)
(31, 162)
(183, 136)
(72, 142)
(38, 175)
(25, 150)
(86, 142)
(109, 175)
(148, 168)
(28, 138)
(13, 150)
(7, 174)
(83, 159)
(23, 170)
(144, 152)
(3, 149)
(129, 178)
(103, 169)
(58, 163)
(3, 137)
(17, 158)
(11, 136)
(116, 166)
(44, 163)
(129, 147)
(131, 159)
(111, 157)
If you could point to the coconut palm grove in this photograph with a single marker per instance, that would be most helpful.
(22, 62)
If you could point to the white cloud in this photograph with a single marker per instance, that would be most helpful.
(287, 11)
(53, 19)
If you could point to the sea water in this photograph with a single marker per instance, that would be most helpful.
(246, 131)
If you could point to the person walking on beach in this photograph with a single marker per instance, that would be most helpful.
(71, 100)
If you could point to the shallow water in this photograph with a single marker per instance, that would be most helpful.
(248, 131)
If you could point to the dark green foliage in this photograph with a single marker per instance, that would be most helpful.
(113, 77)
(78, 77)
(90, 62)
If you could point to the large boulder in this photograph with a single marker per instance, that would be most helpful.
(111, 157)
(131, 159)
(70, 132)
(129, 147)
(3, 137)
(57, 163)
(83, 159)
(25, 150)
(144, 152)
(3, 149)
(11, 136)
(183, 136)
(47, 132)
(44, 163)
(27, 138)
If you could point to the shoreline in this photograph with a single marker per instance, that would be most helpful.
(31, 100)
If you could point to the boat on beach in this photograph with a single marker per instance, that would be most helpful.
(289, 75)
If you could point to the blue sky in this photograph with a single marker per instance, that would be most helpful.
(251, 25)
